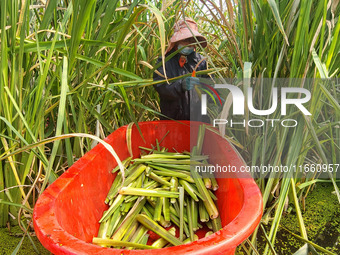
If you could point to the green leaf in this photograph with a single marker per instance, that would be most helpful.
(81, 15)
(321, 67)
(277, 18)
(60, 120)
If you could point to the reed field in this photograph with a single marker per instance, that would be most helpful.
(85, 67)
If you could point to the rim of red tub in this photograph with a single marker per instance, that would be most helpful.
(56, 239)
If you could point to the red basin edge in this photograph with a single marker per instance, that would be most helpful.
(64, 212)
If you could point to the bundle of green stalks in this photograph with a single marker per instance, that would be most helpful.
(158, 197)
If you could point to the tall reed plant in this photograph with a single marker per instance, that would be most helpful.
(296, 40)
(66, 67)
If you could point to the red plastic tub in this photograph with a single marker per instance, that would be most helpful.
(66, 214)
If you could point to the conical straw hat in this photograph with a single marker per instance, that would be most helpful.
(185, 29)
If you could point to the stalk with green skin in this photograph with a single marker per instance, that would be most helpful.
(146, 192)
(110, 242)
(174, 188)
(208, 202)
(130, 217)
(161, 242)
(153, 226)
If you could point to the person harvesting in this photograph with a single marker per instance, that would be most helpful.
(178, 98)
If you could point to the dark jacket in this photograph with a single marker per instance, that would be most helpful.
(174, 101)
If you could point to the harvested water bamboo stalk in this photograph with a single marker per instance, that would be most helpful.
(160, 190)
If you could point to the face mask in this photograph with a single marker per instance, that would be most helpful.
(186, 50)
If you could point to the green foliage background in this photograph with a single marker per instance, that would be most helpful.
(85, 66)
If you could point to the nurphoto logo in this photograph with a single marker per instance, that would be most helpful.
(239, 100)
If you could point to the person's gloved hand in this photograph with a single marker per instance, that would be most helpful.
(189, 82)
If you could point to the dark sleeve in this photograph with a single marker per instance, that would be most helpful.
(168, 91)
